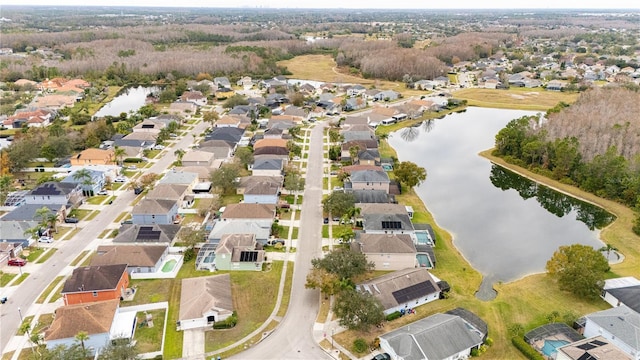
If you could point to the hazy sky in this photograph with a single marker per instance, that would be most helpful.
(387, 4)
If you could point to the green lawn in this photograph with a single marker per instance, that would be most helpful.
(79, 213)
(93, 215)
(294, 233)
(96, 200)
(231, 199)
(289, 199)
(46, 255)
(116, 186)
(49, 289)
(79, 257)
(61, 231)
(336, 229)
(5, 278)
(25, 320)
(73, 233)
(121, 217)
(286, 295)
(21, 279)
(255, 296)
(34, 253)
(149, 338)
(104, 233)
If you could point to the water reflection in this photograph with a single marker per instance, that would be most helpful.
(552, 201)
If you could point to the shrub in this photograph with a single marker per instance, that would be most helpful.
(359, 345)
(394, 315)
(228, 323)
(133, 160)
(189, 254)
(526, 349)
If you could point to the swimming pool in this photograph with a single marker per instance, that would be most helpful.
(550, 346)
(169, 265)
(423, 261)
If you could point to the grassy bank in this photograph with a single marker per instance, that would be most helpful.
(515, 98)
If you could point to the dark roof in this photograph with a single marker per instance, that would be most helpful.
(129, 142)
(397, 222)
(54, 188)
(267, 164)
(629, 296)
(27, 212)
(369, 176)
(229, 134)
(271, 150)
(471, 318)
(373, 196)
(131, 233)
(94, 278)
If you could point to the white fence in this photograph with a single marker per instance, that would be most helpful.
(147, 307)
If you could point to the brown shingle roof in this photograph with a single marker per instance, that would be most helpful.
(167, 192)
(94, 278)
(384, 286)
(384, 244)
(202, 294)
(270, 142)
(249, 211)
(132, 255)
(230, 241)
(96, 154)
(153, 206)
(93, 318)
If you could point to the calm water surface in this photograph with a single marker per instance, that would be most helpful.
(506, 226)
(131, 99)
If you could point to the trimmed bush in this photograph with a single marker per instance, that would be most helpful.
(132, 160)
(394, 315)
(360, 345)
(526, 349)
(228, 323)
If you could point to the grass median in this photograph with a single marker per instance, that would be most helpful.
(49, 289)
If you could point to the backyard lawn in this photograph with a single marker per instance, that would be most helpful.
(149, 339)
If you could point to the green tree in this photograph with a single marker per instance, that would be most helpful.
(344, 263)
(210, 116)
(225, 178)
(81, 337)
(358, 310)
(579, 269)
(84, 176)
(410, 174)
(47, 218)
(327, 282)
(293, 181)
(5, 187)
(179, 153)
(334, 152)
(244, 154)
(119, 349)
(608, 248)
(338, 203)
(119, 153)
(335, 136)
(234, 101)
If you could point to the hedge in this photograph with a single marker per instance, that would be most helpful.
(394, 315)
(228, 323)
(133, 160)
(526, 349)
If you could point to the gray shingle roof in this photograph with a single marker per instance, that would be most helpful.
(629, 296)
(129, 233)
(386, 288)
(435, 337)
(27, 212)
(153, 206)
(384, 243)
(380, 222)
(267, 164)
(621, 322)
(372, 196)
(369, 176)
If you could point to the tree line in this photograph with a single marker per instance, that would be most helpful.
(590, 144)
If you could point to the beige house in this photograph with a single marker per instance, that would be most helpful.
(249, 211)
(198, 158)
(93, 157)
(370, 180)
(204, 301)
(387, 251)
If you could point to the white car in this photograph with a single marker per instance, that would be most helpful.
(158, 147)
(46, 239)
(120, 179)
(103, 192)
(133, 167)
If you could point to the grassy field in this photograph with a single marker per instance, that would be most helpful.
(515, 98)
(324, 68)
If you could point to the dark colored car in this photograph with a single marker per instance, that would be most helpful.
(126, 222)
(71, 220)
(17, 262)
(383, 356)
(325, 221)
(137, 191)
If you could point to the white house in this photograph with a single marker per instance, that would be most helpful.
(619, 325)
(204, 301)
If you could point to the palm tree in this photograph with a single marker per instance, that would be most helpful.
(33, 233)
(85, 178)
(44, 215)
(82, 336)
(179, 153)
(119, 154)
(608, 248)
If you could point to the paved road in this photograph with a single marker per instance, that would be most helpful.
(42, 275)
(293, 339)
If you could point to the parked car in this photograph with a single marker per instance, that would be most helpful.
(17, 262)
(325, 220)
(120, 179)
(45, 239)
(172, 135)
(126, 222)
(71, 220)
(103, 192)
(133, 167)
(383, 356)
(137, 191)
(158, 147)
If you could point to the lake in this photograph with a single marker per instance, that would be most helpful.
(131, 99)
(505, 225)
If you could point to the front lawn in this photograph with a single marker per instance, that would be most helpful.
(96, 200)
(5, 278)
(254, 297)
(336, 230)
(34, 253)
(79, 213)
(49, 289)
(46, 255)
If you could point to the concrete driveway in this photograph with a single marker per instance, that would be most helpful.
(193, 344)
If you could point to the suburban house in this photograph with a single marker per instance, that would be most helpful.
(386, 251)
(147, 234)
(100, 320)
(9, 249)
(260, 228)
(204, 301)
(439, 336)
(624, 290)
(197, 158)
(173, 192)
(345, 148)
(139, 258)
(219, 148)
(91, 185)
(238, 252)
(373, 197)
(596, 348)
(402, 290)
(369, 180)
(358, 132)
(224, 93)
(297, 112)
(260, 189)
(195, 97)
(88, 284)
(230, 135)
(386, 95)
(248, 211)
(153, 211)
(228, 121)
(93, 156)
(149, 126)
(368, 157)
(180, 178)
(619, 325)
(386, 223)
(55, 193)
(222, 81)
(267, 167)
(37, 118)
(183, 107)
(356, 90)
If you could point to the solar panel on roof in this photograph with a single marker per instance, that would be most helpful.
(587, 356)
(598, 342)
(413, 292)
(395, 225)
(248, 256)
(586, 346)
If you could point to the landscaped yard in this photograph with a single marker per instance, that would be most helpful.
(149, 338)
(5, 278)
(21, 279)
(33, 253)
(336, 230)
(96, 200)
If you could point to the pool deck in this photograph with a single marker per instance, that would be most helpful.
(160, 274)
